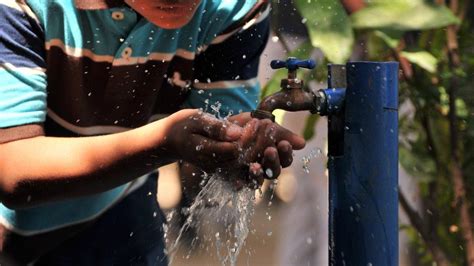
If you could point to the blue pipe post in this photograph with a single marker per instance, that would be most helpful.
(363, 172)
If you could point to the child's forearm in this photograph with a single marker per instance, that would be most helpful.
(41, 169)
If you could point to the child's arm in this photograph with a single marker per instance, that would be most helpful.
(39, 169)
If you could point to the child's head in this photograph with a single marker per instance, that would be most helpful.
(168, 14)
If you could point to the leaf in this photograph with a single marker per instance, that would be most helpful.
(403, 16)
(329, 27)
(273, 85)
(308, 131)
(390, 37)
(423, 59)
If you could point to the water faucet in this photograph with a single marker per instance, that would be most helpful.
(294, 96)
(361, 103)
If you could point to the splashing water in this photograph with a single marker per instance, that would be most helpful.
(315, 153)
(218, 203)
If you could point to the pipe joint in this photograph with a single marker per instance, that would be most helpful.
(328, 101)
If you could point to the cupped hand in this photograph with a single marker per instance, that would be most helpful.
(250, 148)
(202, 139)
(265, 146)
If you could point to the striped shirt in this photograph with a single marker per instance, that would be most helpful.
(81, 68)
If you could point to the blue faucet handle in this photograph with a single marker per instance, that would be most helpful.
(293, 64)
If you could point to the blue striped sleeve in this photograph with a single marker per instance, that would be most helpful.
(227, 72)
(22, 67)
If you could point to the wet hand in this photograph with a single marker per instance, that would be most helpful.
(202, 139)
(265, 146)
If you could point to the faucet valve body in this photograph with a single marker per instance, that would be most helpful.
(267, 106)
(292, 64)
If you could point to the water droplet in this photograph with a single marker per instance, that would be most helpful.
(309, 240)
(275, 39)
(269, 173)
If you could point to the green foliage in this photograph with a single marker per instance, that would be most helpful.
(329, 28)
(423, 59)
(403, 16)
(390, 37)
(308, 132)
(416, 31)
(423, 255)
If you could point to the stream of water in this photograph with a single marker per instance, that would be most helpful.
(223, 211)
(221, 217)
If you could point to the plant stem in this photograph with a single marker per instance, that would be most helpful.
(460, 200)
(430, 201)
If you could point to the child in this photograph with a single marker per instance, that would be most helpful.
(95, 95)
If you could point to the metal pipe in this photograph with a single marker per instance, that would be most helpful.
(336, 78)
(363, 201)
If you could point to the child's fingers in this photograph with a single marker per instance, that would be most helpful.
(271, 163)
(285, 153)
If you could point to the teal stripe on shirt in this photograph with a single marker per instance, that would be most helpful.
(104, 34)
(22, 98)
(59, 214)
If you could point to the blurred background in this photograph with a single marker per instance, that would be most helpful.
(434, 43)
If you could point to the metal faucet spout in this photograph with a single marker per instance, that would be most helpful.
(289, 100)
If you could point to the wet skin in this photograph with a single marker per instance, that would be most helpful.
(240, 144)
